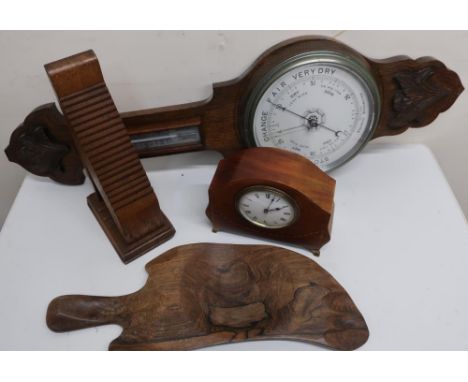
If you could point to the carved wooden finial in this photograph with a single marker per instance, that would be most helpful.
(414, 93)
(43, 146)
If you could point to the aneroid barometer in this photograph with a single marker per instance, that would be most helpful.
(313, 96)
(321, 105)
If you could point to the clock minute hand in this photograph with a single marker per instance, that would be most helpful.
(266, 210)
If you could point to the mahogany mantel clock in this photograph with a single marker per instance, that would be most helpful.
(311, 95)
(274, 194)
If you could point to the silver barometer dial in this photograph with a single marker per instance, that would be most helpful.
(323, 106)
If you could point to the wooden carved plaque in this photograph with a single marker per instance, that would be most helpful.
(125, 203)
(207, 294)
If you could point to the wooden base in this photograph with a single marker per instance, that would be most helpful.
(128, 251)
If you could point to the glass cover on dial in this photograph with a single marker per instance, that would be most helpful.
(267, 207)
(321, 106)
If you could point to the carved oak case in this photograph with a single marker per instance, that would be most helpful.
(411, 92)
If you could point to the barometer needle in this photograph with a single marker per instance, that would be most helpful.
(280, 107)
(337, 132)
(285, 131)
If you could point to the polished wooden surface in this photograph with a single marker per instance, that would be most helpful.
(124, 203)
(413, 93)
(207, 294)
(305, 183)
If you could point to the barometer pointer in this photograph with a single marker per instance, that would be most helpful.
(282, 108)
(286, 131)
(337, 132)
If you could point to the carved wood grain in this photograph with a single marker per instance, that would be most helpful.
(207, 294)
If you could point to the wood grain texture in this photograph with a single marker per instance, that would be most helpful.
(305, 183)
(412, 92)
(208, 294)
(125, 204)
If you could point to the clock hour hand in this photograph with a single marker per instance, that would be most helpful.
(277, 208)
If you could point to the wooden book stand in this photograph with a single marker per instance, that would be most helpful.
(124, 202)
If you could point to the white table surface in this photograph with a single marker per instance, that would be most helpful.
(399, 247)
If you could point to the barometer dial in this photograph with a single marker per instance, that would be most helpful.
(322, 106)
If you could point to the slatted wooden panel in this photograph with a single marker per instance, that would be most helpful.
(102, 136)
(105, 147)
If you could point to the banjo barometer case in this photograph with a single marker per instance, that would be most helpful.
(411, 93)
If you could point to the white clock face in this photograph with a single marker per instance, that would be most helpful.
(322, 109)
(267, 207)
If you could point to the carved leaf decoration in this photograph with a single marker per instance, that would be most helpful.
(416, 94)
(35, 149)
(41, 146)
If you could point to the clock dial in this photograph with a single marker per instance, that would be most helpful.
(267, 207)
(322, 107)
